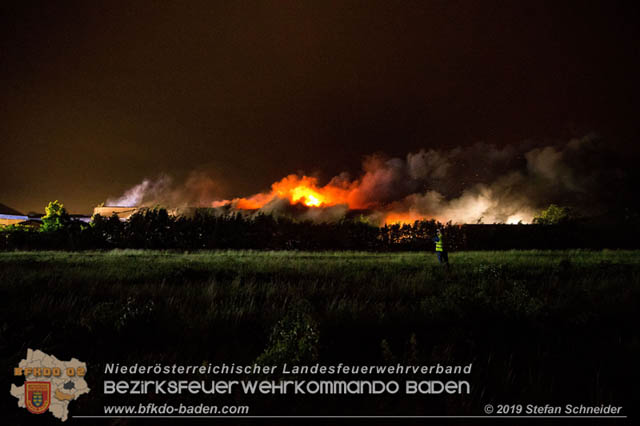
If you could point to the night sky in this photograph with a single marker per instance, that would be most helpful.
(95, 96)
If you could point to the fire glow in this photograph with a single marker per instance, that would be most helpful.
(478, 184)
(297, 190)
(352, 195)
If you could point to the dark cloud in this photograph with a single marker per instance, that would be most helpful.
(480, 183)
(94, 96)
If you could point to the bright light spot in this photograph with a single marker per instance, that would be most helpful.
(514, 219)
(312, 201)
(307, 196)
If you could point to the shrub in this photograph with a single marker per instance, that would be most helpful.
(294, 339)
(56, 217)
(553, 215)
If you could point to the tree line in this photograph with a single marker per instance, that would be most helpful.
(154, 228)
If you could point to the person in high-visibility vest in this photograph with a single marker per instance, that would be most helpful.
(441, 252)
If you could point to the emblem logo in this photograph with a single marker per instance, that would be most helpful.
(37, 396)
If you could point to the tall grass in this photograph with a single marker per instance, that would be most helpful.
(536, 324)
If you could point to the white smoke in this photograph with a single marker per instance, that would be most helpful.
(197, 190)
(477, 184)
(132, 197)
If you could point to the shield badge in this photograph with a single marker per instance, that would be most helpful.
(37, 396)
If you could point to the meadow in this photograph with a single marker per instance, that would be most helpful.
(538, 326)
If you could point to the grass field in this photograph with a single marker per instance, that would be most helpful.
(540, 326)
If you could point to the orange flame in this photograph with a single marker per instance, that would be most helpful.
(303, 190)
(306, 191)
(404, 218)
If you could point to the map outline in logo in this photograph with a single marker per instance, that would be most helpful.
(61, 383)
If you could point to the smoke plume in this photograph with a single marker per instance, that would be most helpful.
(477, 184)
(197, 190)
